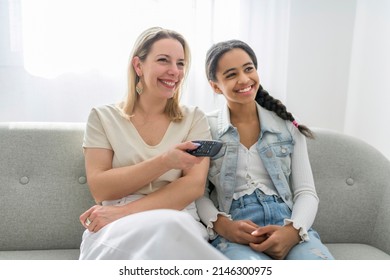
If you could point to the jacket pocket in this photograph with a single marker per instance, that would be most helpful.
(283, 153)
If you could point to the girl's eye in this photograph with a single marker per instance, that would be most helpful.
(180, 64)
(231, 75)
(249, 69)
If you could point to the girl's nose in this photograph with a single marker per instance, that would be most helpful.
(243, 78)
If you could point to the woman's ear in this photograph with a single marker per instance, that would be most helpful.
(136, 62)
(215, 87)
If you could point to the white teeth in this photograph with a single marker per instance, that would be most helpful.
(171, 84)
(245, 89)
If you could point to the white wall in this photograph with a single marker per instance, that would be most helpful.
(339, 67)
(367, 115)
(328, 60)
(320, 44)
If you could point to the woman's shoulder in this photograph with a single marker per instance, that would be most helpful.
(105, 113)
(107, 110)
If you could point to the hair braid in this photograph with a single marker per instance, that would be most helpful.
(268, 102)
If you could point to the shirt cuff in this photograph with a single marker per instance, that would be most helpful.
(210, 225)
(302, 230)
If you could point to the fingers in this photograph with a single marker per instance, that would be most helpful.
(259, 247)
(266, 230)
(188, 146)
(278, 243)
(263, 246)
(87, 218)
(83, 217)
(240, 232)
(272, 249)
(87, 222)
(252, 223)
(178, 158)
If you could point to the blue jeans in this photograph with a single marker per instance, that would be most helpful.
(268, 210)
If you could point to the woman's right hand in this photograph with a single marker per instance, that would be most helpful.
(239, 231)
(96, 217)
(178, 158)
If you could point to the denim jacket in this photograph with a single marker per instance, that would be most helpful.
(275, 146)
(280, 146)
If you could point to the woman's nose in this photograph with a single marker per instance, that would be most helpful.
(174, 70)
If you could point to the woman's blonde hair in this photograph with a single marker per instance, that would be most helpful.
(141, 49)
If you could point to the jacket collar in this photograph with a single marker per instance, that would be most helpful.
(269, 121)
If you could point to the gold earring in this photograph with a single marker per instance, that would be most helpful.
(139, 88)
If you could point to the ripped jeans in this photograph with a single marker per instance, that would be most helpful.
(265, 210)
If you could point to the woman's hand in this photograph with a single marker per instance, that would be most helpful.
(98, 216)
(279, 240)
(237, 231)
(178, 158)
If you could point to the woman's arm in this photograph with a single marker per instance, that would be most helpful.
(176, 195)
(107, 183)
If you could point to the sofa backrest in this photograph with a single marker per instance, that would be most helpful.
(43, 186)
(353, 183)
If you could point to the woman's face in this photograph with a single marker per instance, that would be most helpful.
(237, 77)
(163, 69)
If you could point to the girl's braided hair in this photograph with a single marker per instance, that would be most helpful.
(264, 99)
(268, 102)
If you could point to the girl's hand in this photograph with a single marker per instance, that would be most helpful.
(237, 231)
(98, 216)
(279, 241)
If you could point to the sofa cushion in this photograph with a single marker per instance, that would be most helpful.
(43, 186)
(352, 180)
(353, 251)
(65, 254)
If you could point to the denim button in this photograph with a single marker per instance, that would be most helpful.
(350, 181)
(284, 150)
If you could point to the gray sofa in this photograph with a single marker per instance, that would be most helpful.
(43, 191)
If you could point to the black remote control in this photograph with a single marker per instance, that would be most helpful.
(207, 148)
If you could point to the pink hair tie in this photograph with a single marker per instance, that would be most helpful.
(295, 123)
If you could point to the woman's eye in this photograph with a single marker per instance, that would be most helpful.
(249, 69)
(162, 60)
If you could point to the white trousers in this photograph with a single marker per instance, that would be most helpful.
(150, 235)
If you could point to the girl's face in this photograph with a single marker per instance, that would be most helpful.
(237, 77)
(163, 69)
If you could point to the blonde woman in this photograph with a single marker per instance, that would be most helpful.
(138, 170)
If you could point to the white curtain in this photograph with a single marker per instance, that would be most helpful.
(367, 113)
(73, 53)
(327, 60)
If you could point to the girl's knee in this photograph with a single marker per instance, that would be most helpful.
(308, 251)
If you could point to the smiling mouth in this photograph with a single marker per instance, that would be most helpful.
(245, 90)
(168, 84)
